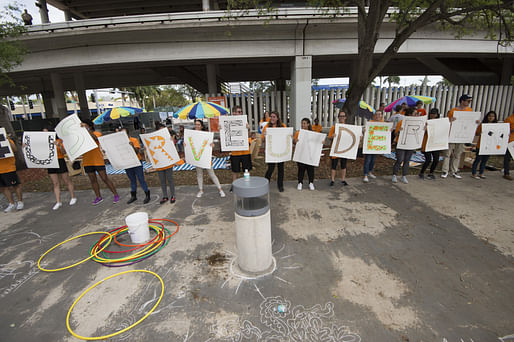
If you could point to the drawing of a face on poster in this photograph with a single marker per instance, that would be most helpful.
(233, 133)
(346, 141)
(308, 148)
(197, 148)
(494, 138)
(40, 150)
(5, 146)
(437, 134)
(377, 138)
(120, 153)
(76, 139)
(464, 126)
(160, 148)
(279, 144)
(411, 134)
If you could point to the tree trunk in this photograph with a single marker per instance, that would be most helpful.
(6, 123)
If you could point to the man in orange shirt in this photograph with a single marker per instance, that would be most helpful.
(9, 180)
(419, 108)
(508, 157)
(93, 162)
(317, 127)
(452, 154)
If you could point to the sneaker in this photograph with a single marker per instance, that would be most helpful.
(394, 179)
(404, 180)
(19, 205)
(164, 200)
(431, 176)
(116, 199)
(507, 177)
(222, 194)
(73, 201)
(280, 189)
(475, 176)
(365, 179)
(199, 194)
(172, 199)
(444, 174)
(372, 176)
(331, 183)
(456, 175)
(481, 176)
(299, 187)
(57, 206)
(421, 176)
(9, 208)
(311, 187)
(344, 183)
(98, 200)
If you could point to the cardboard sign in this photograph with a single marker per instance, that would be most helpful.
(308, 148)
(233, 133)
(160, 148)
(437, 134)
(464, 126)
(197, 148)
(5, 146)
(346, 141)
(412, 132)
(76, 139)
(494, 139)
(279, 144)
(40, 150)
(377, 138)
(118, 150)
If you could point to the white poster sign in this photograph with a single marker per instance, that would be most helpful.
(76, 139)
(198, 149)
(118, 150)
(346, 141)
(412, 132)
(377, 138)
(437, 134)
(494, 139)
(464, 126)
(233, 133)
(308, 148)
(279, 144)
(40, 150)
(160, 148)
(511, 149)
(5, 146)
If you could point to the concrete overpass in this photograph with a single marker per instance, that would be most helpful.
(206, 48)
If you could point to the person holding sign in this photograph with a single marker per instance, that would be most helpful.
(93, 162)
(306, 125)
(342, 119)
(490, 117)
(452, 155)
(432, 156)
(258, 141)
(274, 122)
(369, 159)
(508, 156)
(166, 176)
(136, 173)
(199, 171)
(62, 171)
(402, 156)
(9, 179)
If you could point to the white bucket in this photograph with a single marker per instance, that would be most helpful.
(138, 227)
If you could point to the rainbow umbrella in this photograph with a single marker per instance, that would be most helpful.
(200, 110)
(410, 100)
(364, 110)
(115, 113)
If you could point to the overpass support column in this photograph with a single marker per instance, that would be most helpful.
(67, 15)
(301, 78)
(85, 114)
(48, 103)
(211, 79)
(506, 71)
(43, 11)
(58, 103)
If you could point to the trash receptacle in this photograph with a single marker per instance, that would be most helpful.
(253, 224)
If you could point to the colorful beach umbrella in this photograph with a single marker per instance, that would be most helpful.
(200, 110)
(364, 110)
(115, 113)
(410, 100)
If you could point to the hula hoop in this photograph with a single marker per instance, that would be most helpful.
(137, 245)
(123, 330)
(124, 229)
(79, 262)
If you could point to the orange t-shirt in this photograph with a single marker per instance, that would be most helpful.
(137, 145)
(95, 156)
(265, 127)
(479, 133)
(421, 111)
(510, 120)
(8, 164)
(397, 131)
(242, 153)
(331, 135)
(450, 113)
(60, 149)
(317, 128)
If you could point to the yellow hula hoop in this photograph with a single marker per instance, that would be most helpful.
(77, 263)
(150, 248)
(125, 329)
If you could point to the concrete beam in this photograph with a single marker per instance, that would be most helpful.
(301, 78)
(58, 102)
(442, 69)
(81, 91)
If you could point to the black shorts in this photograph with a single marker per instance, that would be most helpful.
(9, 179)
(334, 163)
(61, 169)
(244, 160)
(94, 168)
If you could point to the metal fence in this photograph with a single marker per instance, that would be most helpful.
(485, 98)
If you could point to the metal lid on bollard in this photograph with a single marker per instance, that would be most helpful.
(251, 196)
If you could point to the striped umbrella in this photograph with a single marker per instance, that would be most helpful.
(410, 100)
(200, 110)
(115, 113)
(364, 110)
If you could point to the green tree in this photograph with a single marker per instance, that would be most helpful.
(461, 16)
(144, 95)
(392, 80)
(170, 97)
(444, 82)
(11, 50)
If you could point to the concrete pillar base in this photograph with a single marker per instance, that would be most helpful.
(253, 241)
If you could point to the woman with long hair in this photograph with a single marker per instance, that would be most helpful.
(490, 117)
(274, 122)
(306, 125)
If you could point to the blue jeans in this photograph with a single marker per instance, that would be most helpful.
(369, 163)
(479, 159)
(132, 174)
